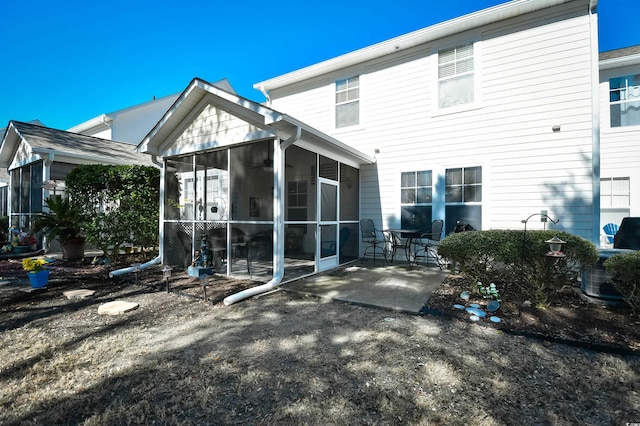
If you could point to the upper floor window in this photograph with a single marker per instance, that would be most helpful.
(463, 185)
(455, 76)
(348, 102)
(416, 187)
(624, 100)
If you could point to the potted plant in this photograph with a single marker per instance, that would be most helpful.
(38, 275)
(64, 222)
(22, 242)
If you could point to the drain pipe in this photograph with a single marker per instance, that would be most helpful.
(278, 216)
(129, 270)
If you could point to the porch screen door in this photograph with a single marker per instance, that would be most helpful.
(328, 225)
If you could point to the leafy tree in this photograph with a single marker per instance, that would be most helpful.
(120, 204)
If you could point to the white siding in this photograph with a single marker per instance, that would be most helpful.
(212, 127)
(132, 125)
(620, 155)
(534, 73)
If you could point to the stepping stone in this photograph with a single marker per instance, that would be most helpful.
(117, 307)
(78, 294)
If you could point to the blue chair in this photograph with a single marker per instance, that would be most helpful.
(610, 230)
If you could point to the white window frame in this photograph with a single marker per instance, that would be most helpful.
(622, 102)
(336, 103)
(463, 185)
(477, 79)
(416, 187)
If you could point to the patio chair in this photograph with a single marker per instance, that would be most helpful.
(372, 239)
(428, 242)
(610, 230)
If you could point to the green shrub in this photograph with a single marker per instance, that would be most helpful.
(625, 272)
(121, 204)
(515, 259)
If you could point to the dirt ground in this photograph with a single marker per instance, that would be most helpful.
(283, 358)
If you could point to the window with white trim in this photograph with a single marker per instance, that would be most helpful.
(416, 187)
(455, 76)
(615, 199)
(348, 102)
(624, 100)
(463, 185)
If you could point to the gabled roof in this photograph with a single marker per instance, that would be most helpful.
(481, 18)
(65, 146)
(269, 120)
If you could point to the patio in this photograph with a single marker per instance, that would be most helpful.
(396, 287)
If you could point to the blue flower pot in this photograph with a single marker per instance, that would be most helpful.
(38, 279)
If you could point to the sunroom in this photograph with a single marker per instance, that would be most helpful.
(270, 197)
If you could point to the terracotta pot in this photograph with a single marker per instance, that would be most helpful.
(73, 249)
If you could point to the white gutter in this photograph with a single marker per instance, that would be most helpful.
(129, 270)
(278, 223)
(425, 35)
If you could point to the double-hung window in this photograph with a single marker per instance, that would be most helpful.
(416, 198)
(348, 102)
(455, 76)
(624, 100)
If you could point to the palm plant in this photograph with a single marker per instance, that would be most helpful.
(63, 220)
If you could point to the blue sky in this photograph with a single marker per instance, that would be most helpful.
(66, 62)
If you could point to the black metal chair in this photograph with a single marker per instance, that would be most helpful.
(373, 239)
(427, 244)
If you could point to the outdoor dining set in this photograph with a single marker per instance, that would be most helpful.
(416, 246)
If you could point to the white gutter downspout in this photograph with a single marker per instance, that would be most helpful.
(278, 225)
(595, 124)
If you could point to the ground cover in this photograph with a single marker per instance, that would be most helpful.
(286, 359)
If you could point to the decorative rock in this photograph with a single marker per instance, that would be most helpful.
(474, 318)
(117, 307)
(457, 306)
(477, 312)
(78, 294)
(493, 306)
(464, 295)
(495, 319)
(475, 305)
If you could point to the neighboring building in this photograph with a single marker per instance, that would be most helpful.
(620, 134)
(132, 124)
(38, 160)
(487, 118)
(4, 180)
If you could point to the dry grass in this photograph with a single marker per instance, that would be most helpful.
(284, 359)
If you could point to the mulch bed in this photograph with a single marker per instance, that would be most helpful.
(571, 317)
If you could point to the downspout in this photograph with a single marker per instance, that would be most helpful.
(595, 122)
(278, 224)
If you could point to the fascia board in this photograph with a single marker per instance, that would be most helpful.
(623, 61)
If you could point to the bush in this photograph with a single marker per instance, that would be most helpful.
(513, 258)
(121, 204)
(625, 272)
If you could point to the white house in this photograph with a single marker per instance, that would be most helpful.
(488, 118)
(619, 134)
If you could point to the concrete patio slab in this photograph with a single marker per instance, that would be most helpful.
(395, 287)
